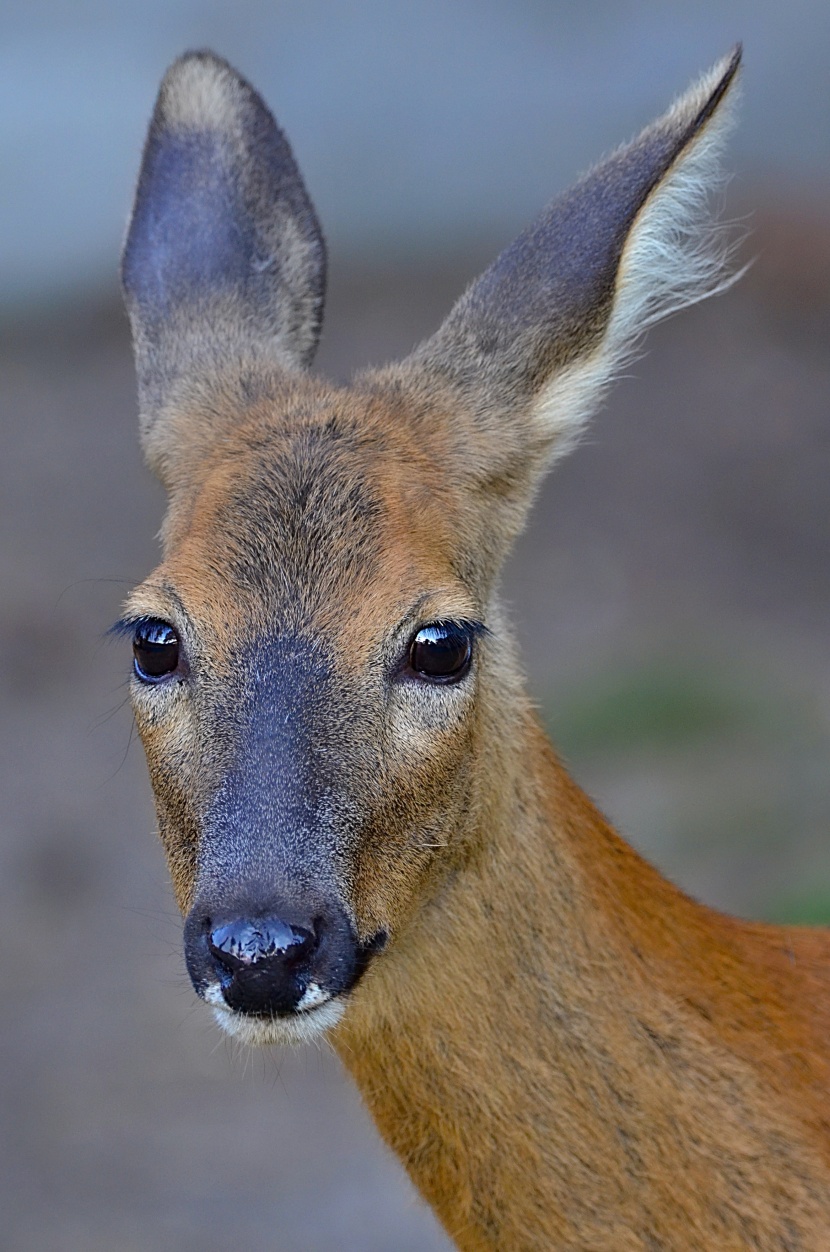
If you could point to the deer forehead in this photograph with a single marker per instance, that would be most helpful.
(334, 518)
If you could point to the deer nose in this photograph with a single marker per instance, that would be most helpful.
(257, 962)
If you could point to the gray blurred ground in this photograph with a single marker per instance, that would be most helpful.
(672, 596)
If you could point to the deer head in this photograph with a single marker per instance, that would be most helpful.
(325, 685)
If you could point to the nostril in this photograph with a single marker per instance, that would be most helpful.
(242, 944)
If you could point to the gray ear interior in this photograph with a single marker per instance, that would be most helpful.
(547, 298)
(224, 252)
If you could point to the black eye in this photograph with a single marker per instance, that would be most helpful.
(441, 652)
(155, 650)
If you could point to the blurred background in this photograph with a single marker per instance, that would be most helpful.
(671, 593)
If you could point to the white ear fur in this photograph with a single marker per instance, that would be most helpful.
(676, 254)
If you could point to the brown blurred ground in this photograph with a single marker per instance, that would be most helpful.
(672, 597)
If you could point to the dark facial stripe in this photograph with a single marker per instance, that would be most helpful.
(274, 813)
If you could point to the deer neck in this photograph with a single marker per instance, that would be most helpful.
(563, 1031)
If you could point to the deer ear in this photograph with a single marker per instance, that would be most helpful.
(530, 347)
(224, 260)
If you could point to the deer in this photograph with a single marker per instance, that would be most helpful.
(369, 836)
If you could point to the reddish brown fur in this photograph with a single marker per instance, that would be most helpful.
(564, 1050)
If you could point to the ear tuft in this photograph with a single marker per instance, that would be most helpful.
(676, 251)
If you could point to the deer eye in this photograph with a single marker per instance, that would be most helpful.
(155, 650)
(441, 652)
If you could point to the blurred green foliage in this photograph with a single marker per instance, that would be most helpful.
(716, 771)
(808, 908)
(662, 704)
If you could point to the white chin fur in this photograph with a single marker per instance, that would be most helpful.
(303, 1027)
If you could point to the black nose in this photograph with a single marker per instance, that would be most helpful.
(257, 962)
(276, 956)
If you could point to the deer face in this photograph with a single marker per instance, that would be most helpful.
(322, 684)
(307, 663)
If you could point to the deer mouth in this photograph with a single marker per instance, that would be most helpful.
(308, 1022)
